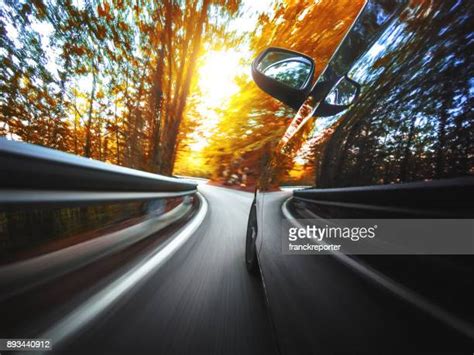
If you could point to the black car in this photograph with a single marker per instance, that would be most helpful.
(385, 132)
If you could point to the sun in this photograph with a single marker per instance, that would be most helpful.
(216, 82)
(216, 77)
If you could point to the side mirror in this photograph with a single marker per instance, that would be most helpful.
(284, 74)
(343, 93)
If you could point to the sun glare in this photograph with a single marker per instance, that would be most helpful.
(216, 84)
(216, 77)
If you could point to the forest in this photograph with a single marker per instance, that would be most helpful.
(156, 85)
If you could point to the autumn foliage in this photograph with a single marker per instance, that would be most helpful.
(253, 122)
(118, 80)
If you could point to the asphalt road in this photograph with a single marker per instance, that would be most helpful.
(201, 301)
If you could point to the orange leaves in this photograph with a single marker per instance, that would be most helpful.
(51, 101)
(119, 4)
(40, 8)
(123, 26)
(101, 32)
(75, 48)
(315, 28)
(232, 6)
(101, 9)
(100, 94)
(81, 70)
(147, 49)
(104, 10)
(137, 10)
(145, 28)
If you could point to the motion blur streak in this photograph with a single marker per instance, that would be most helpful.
(201, 301)
(105, 298)
(24, 275)
(396, 288)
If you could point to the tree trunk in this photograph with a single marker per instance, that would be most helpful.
(117, 140)
(87, 148)
(170, 144)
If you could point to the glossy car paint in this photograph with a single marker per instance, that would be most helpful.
(413, 61)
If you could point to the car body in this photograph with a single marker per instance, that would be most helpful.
(401, 147)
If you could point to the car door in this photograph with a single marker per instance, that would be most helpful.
(403, 149)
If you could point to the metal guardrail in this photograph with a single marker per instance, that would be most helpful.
(37, 181)
(25, 274)
(26, 166)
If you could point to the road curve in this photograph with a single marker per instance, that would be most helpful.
(202, 301)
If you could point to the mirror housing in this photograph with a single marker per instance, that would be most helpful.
(288, 77)
(339, 96)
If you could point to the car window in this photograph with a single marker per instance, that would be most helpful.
(413, 120)
(376, 16)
